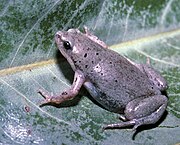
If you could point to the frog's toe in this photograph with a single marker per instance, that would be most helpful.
(43, 103)
(119, 125)
(47, 97)
(122, 117)
(137, 124)
(148, 61)
(44, 94)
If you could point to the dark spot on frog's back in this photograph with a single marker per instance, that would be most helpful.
(86, 66)
(88, 49)
(85, 55)
(132, 70)
(64, 93)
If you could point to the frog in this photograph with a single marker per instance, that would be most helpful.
(133, 90)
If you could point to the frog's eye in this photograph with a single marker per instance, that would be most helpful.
(66, 45)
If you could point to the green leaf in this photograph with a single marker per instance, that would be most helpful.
(29, 60)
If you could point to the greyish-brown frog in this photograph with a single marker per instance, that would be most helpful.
(118, 84)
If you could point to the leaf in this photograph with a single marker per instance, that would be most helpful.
(29, 60)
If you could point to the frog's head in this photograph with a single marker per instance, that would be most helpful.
(71, 44)
(65, 40)
(76, 46)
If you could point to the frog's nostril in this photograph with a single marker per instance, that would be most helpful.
(58, 36)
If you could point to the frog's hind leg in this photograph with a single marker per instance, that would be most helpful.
(142, 111)
(152, 74)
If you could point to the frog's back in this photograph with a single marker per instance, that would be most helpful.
(117, 80)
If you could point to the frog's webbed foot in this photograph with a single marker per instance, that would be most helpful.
(135, 123)
(119, 125)
(46, 96)
(53, 99)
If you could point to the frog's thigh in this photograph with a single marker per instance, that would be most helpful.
(146, 110)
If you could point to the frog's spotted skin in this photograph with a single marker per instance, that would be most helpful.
(118, 84)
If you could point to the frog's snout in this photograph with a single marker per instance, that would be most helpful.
(58, 37)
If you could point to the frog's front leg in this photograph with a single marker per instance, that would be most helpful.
(79, 79)
(142, 111)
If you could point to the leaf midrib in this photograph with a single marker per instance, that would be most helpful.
(123, 46)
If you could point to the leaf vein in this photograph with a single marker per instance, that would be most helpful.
(14, 89)
(156, 59)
